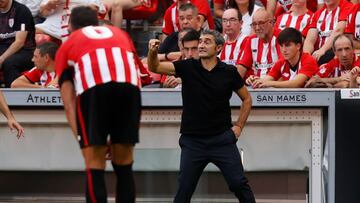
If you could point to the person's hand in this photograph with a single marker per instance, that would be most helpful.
(237, 131)
(249, 81)
(154, 45)
(355, 71)
(14, 125)
(171, 82)
(318, 54)
(345, 77)
(53, 4)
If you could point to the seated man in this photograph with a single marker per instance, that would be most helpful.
(190, 43)
(17, 41)
(235, 40)
(188, 18)
(171, 23)
(336, 73)
(294, 69)
(43, 74)
(325, 25)
(261, 50)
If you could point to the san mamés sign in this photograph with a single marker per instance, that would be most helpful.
(280, 98)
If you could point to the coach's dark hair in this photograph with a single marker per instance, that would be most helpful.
(191, 35)
(341, 36)
(187, 6)
(219, 39)
(48, 48)
(83, 16)
(233, 4)
(290, 35)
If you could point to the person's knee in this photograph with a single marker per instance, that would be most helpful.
(236, 184)
(94, 157)
(122, 154)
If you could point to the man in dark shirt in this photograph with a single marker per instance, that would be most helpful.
(17, 39)
(207, 132)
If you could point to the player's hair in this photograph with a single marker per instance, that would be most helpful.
(290, 35)
(191, 35)
(219, 39)
(339, 37)
(49, 48)
(187, 6)
(83, 16)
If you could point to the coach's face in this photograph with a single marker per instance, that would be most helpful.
(207, 46)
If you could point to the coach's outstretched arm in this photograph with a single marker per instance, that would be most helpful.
(154, 64)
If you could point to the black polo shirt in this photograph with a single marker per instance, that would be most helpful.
(206, 95)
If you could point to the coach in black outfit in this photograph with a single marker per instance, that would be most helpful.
(207, 132)
(17, 39)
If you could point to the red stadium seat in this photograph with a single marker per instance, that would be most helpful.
(141, 12)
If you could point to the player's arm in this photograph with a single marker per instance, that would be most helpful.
(245, 108)
(12, 123)
(153, 61)
(23, 82)
(67, 91)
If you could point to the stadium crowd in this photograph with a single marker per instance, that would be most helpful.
(251, 28)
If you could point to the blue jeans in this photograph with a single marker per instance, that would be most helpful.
(199, 150)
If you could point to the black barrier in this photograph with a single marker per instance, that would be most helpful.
(347, 144)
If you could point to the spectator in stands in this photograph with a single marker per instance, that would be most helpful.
(247, 9)
(17, 42)
(43, 74)
(294, 69)
(188, 18)
(57, 14)
(326, 24)
(285, 6)
(297, 17)
(235, 40)
(261, 50)
(207, 132)
(12, 123)
(189, 43)
(336, 73)
(219, 7)
(171, 23)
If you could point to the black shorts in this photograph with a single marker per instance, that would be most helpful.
(109, 109)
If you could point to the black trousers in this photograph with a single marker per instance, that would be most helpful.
(221, 150)
(16, 64)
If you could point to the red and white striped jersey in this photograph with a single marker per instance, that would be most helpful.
(232, 50)
(325, 21)
(43, 78)
(353, 22)
(285, 6)
(334, 69)
(99, 55)
(258, 57)
(171, 16)
(281, 70)
(300, 23)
